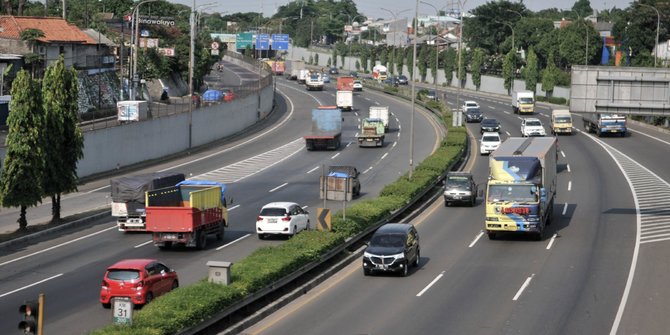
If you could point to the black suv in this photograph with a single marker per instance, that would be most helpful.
(333, 70)
(460, 187)
(473, 115)
(402, 80)
(489, 125)
(393, 247)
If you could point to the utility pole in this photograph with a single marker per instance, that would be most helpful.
(411, 122)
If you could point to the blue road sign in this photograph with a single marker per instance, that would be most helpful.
(263, 42)
(279, 41)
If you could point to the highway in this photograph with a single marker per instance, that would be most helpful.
(268, 164)
(602, 269)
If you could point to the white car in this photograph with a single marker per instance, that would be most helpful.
(489, 142)
(469, 104)
(358, 85)
(281, 218)
(532, 127)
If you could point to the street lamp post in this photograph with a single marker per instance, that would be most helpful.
(191, 64)
(456, 119)
(411, 122)
(351, 23)
(395, 33)
(658, 23)
(136, 23)
(437, 47)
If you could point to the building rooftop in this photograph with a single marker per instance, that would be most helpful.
(55, 29)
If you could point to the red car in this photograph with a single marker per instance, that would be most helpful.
(228, 96)
(141, 280)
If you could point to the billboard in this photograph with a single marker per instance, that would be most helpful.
(279, 41)
(224, 38)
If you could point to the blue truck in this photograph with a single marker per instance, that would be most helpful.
(602, 124)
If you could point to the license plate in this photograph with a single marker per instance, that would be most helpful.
(272, 220)
(170, 236)
(370, 140)
(457, 197)
(381, 266)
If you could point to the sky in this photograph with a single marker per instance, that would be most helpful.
(373, 7)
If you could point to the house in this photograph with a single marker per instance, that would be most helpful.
(60, 38)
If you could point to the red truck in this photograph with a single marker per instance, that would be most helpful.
(186, 213)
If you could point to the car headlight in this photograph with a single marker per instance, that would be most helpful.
(367, 255)
(398, 256)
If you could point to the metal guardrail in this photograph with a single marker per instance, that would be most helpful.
(211, 322)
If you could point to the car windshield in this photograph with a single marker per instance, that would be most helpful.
(563, 119)
(273, 212)
(123, 275)
(388, 241)
(613, 122)
(402, 78)
(534, 123)
(526, 100)
(471, 104)
(491, 139)
(474, 111)
(458, 182)
(512, 193)
(489, 122)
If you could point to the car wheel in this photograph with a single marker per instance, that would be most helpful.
(200, 240)
(366, 272)
(148, 298)
(175, 285)
(308, 226)
(106, 305)
(418, 258)
(405, 269)
(261, 236)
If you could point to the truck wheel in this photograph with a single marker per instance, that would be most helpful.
(492, 235)
(219, 234)
(165, 246)
(200, 240)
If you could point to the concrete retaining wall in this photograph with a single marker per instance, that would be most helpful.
(490, 84)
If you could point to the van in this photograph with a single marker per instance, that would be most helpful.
(561, 122)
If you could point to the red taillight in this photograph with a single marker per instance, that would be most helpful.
(104, 283)
(286, 218)
(259, 218)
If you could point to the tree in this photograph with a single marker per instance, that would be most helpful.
(334, 57)
(409, 60)
(64, 142)
(449, 64)
(364, 55)
(422, 61)
(550, 76)
(508, 69)
(484, 30)
(330, 61)
(462, 73)
(30, 36)
(399, 59)
(583, 7)
(311, 59)
(316, 58)
(24, 160)
(476, 68)
(358, 65)
(433, 63)
(530, 73)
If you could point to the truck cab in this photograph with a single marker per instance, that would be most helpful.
(561, 122)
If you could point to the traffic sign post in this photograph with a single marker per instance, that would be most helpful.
(122, 311)
(33, 316)
(323, 219)
(263, 42)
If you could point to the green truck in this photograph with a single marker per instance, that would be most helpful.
(372, 133)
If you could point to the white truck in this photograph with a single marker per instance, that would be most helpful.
(314, 82)
(523, 102)
(382, 113)
(128, 197)
(344, 100)
(295, 66)
(302, 76)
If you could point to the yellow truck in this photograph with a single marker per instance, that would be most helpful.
(561, 122)
(523, 102)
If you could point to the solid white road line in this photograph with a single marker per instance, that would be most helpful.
(481, 233)
(229, 243)
(356, 113)
(431, 284)
(641, 133)
(523, 287)
(508, 134)
(359, 120)
(570, 185)
(368, 169)
(231, 208)
(312, 170)
(565, 208)
(394, 144)
(568, 167)
(348, 144)
(278, 187)
(384, 156)
(335, 155)
(551, 241)
(142, 244)
(31, 285)
(59, 245)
